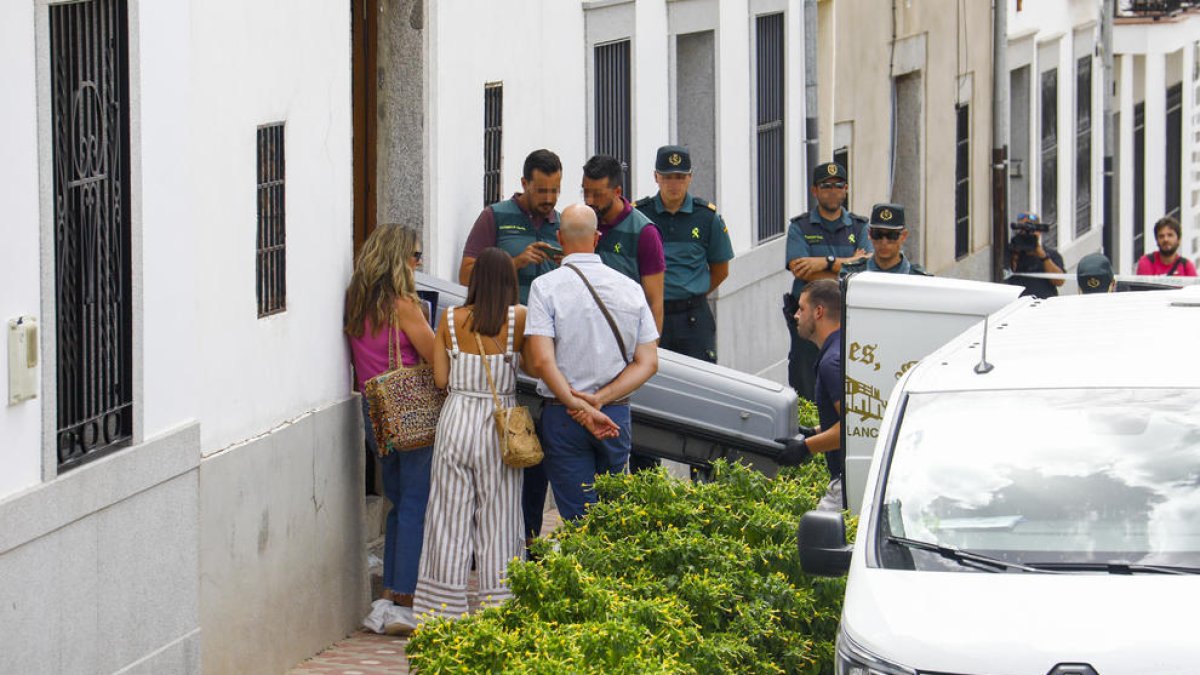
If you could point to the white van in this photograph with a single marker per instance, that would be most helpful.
(1035, 511)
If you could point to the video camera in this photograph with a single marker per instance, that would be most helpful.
(1024, 240)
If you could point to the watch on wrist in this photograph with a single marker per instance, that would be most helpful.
(1044, 258)
(829, 260)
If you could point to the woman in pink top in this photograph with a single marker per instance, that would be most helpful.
(382, 293)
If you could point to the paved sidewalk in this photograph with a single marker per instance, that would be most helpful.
(365, 653)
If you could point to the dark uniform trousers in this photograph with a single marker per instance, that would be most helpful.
(689, 328)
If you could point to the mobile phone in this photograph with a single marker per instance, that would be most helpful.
(552, 249)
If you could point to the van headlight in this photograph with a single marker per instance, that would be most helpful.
(853, 659)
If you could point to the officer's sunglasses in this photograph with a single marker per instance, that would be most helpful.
(832, 185)
(890, 235)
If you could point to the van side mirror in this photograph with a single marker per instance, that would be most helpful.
(822, 543)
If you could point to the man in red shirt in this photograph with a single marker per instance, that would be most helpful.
(1166, 261)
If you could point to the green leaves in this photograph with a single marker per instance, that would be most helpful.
(660, 576)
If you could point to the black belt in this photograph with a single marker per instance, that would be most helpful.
(676, 306)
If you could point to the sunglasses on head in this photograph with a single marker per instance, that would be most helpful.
(890, 235)
(833, 185)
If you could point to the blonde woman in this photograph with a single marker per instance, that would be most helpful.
(382, 304)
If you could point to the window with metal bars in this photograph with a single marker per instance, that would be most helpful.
(271, 268)
(769, 98)
(1174, 155)
(89, 71)
(1083, 145)
(1049, 146)
(612, 97)
(1139, 181)
(493, 121)
(962, 182)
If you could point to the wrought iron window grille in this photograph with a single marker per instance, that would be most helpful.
(271, 263)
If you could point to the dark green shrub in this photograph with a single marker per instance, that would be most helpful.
(660, 576)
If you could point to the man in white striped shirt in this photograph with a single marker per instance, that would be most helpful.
(587, 373)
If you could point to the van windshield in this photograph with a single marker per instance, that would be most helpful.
(1059, 478)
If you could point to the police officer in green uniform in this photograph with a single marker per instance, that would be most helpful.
(697, 250)
(525, 225)
(818, 244)
(888, 232)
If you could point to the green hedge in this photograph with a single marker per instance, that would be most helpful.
(660, 576)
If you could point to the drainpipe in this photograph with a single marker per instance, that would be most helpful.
(1109, 243)
(999, 136)
(811, 130)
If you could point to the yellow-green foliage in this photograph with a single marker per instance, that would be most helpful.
(661, 576)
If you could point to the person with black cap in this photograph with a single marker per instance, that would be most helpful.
(1028, 256)
(697, 249)
(1095, 275)
(887, 232)
(818, 244)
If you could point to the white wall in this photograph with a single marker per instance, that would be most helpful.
(20, 236)
(252, 64)
(534, 48)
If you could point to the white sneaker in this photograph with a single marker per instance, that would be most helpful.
(377, 619)
(399, 620)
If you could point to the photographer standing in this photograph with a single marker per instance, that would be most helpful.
(1028, 256)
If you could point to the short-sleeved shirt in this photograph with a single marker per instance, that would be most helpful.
(585, 349)
(1151, 264)
(869, 264)
(811, 236)
(483, 232)
(828, 390)
(1038, 288)
(650, 258)
(693, 237)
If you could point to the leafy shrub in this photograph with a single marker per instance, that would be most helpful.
(660, 576)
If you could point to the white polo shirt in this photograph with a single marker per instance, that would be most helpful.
(562, 308)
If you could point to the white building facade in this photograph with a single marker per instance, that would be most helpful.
(623, 78)
(185, 485)
(1056, 132)
(1157, 79)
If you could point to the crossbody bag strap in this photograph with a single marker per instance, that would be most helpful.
(1178, 260)
(487, 370)
(607, 316)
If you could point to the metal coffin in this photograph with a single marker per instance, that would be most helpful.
(691, 411)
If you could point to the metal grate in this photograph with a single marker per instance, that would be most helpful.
(271, 267)
(1049, 136)
(1083, 145)
(769, 95)
(493, 123)
(962, 182)
(1155, 8)
(613, 122)
(1139, 181)
(1174, 152)
(90, 118)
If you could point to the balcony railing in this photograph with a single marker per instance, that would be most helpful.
(1154, 9)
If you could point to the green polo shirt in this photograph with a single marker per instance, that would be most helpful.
(693, 237)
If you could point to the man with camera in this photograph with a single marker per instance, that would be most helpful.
(1028, 256)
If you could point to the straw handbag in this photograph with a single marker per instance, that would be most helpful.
(519, 445)
(404, 404)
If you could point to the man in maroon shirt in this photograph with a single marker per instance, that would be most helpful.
(629, 242)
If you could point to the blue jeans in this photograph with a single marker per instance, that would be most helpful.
(406, 485)
(574, 457)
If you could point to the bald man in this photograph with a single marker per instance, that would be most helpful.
(587, 366)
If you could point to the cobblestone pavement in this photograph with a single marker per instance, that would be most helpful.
(365, 653)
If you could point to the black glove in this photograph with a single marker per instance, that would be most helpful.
(790, 306)
(795, 451)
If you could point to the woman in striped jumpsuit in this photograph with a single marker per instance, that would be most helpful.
(475, 499)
